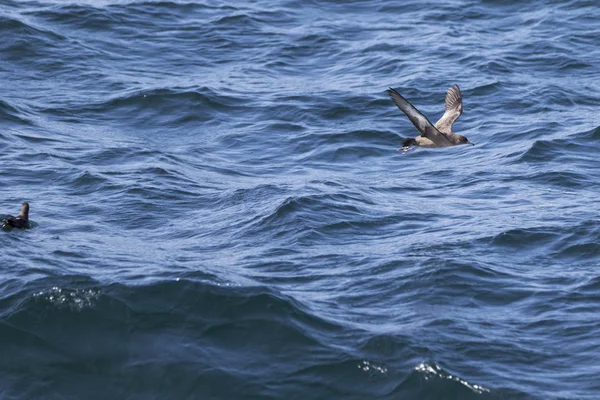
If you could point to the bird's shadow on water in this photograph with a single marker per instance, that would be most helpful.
(406, 149)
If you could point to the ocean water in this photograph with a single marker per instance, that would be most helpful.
(219, 209)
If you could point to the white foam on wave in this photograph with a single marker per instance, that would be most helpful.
(77, 299)
(436, 371)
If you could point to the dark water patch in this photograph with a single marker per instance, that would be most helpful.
(579, 242)
(316, 39)
(542, 150)
(591, 287)
(87, 183)
(351, 378)
(595, 133)
(360, 228)
(351, 153)
(171, 11)
(280, 127)
(286, 112)
(239, 20)
(133, 327)
(363, 136)
(394, 8)
(31, 46)
(306, 212)
(496, 67)
(11, 113)
(561, 179)
(581, 251)
(555, 98)
(106, 157)
(560, 57)
(345, 147)
(387, 347)
(535, 238)
(472, 283)
(343, 110)
(557, 149)
(25, 29)
(258, 194)
(87, 17)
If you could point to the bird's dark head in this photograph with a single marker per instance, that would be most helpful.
(464, 140)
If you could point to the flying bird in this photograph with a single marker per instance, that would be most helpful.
(440, 134)
(20, 221)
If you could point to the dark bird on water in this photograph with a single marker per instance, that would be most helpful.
(440, 134)
(20, 221)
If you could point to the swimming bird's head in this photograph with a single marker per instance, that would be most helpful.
(464, 140)
(24, 211)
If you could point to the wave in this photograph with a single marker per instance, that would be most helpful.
(531, 237)
(27, 30)
(12, 113)
(142, 337)
(308, 214)
(581, 241)
(571, 147)
(33, 47)
(159, 107)
(330, 149)
(446, 381)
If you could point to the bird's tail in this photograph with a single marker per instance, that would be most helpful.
(409, 142)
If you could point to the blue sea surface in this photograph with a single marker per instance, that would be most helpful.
(219, 209)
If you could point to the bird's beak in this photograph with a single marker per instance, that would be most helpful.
(472, 144)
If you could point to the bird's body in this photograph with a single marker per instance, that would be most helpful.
(20, 221)
(440, 134)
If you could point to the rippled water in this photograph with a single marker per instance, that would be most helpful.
(219, 210)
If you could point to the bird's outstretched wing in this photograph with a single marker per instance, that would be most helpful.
(454, 109)
(420, 121)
